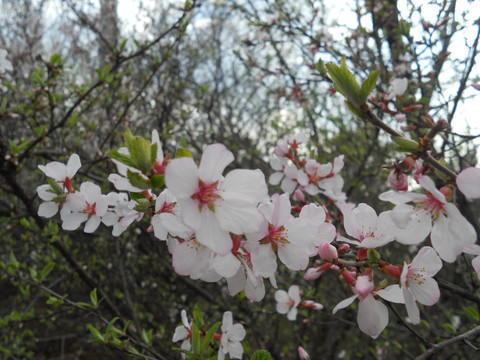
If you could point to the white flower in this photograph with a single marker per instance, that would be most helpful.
(450, 231)
(5, 65)
(214, 206)
(88, 205)
(232, 335)
(397, 88)
(287, 303)
(183, 332)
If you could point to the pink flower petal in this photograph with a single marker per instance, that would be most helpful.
(214, 160)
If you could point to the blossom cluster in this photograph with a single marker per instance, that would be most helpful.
(227, 226)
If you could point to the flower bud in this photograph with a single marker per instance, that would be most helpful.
(299, 196)
(316, 272)
(303, 354)
(328, 252)
(397, 180)
(343, 249)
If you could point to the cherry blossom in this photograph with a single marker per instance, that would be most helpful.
(5, 65)
(468, 182)
(183, 332)
(397, 180)
(88, 205)
(165, 205)
(212, 205)
(48, 208)
(232, 335)
(287, 303)
(369, 230)
(450, 231)
(418, 283)
(372, 315)
(62, 173)
(293, 239)
(120, 213)
(397, 87)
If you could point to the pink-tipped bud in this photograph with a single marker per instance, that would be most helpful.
(299, 196)
(310, 304)
(343, 249)
(303, 354)
(316, 272)
(328, 252)
(395, 271)
(349, 278)
(397, 180)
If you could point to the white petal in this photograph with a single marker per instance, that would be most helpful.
(238, 216)
(227, 321)
(214, 160)
(264, 260)
(92, 224)
(212, 235)
(226, 266)
(282, 210)
(181, 333)
(372, 316)
(344, 303)
(181, 177)
(73, 165)
(400, 197)
(392, 293)
(292, 314)
(47, 209)
(275, 178)
(411, 305)
(428, 261)
(417, 230)
(468, 182)
(426, 292)
(294, 257)
(44, 193)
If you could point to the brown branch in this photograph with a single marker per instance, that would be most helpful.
(437, 347)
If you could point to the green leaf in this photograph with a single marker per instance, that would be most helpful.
(93, 297)
(158, 181)
(261, 355)
(153, 153)
(54, 186)
(4, 105)
(96, 334)
(33, 274)
(55, 58)
(138, 180)
(472, 313)
(147, 336)
(13, 261)
(344, 82)
(449, 328)
(209, 336)
(197, 317)
(141, 153)
(196, 344)
(183, 153)
(123, 158)
(46, 270)
(368, 85)
(109, 327)
(404, 144)
(354, 110)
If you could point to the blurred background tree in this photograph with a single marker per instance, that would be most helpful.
(243, 73)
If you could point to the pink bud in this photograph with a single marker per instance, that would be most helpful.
(476, 86)
(328, 252)
(316, 272)
(299, 196)
(303, 354)
(397, 180)
(343, 249)
(310, 304)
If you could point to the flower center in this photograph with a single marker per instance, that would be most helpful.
(432, 205)
(206, 195)
(90, 209)
(167, 208)
(275, 236)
